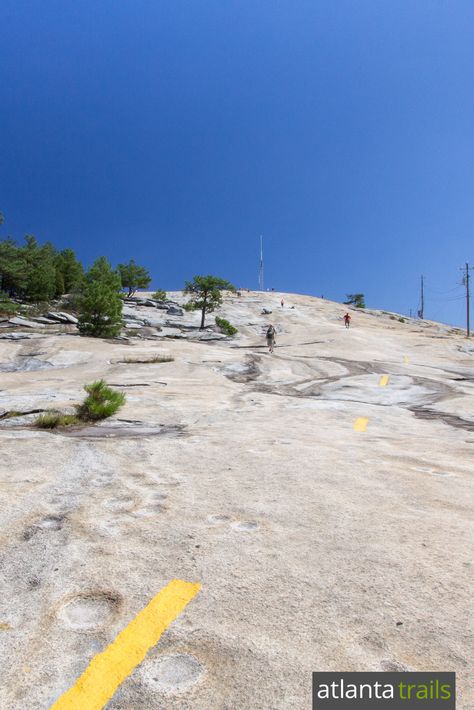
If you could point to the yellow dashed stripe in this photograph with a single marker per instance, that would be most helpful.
(108, 669)
(360, 424)
(383, 381)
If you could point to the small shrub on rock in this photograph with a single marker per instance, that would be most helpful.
(7, 307)
(190, 307)
(37, 309)
(101, 402)
(225, 326)
(159, 295)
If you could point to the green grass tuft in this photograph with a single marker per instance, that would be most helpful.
(146, 361)
(8, 308)
(12, 414)
(53, 419)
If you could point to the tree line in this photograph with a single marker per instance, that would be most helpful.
(35, 273)
(39, 273)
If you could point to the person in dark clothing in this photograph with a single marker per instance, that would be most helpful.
(270, 338)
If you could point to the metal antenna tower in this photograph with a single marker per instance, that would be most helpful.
(421, 311)
(260, 271)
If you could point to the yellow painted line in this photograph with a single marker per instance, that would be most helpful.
(360, 424)
(94, 688)
(406, 360)
(383, 381)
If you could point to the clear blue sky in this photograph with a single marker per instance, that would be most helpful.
(177, 131)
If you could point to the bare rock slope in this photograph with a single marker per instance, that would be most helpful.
(324, 508)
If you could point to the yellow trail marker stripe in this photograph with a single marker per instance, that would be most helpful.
(383, 381)
(360, 424)
(406, 360)
(94, 688)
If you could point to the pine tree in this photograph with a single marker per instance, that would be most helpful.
(69, 272)
(13, 268)
(100, 304)
(133, 276)
(41, 270)
(355, 299)
(206, 293)
(59, 285)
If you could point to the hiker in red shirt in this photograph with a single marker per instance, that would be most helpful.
(347, 320)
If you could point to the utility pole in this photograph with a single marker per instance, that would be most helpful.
(465, 282)
(421, 312)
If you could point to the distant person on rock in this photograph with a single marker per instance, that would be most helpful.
(271, 338)
(282, 303)
(347, 320)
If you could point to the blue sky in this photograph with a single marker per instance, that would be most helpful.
(176, 132)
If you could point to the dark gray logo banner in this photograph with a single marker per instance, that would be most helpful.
(384, 691)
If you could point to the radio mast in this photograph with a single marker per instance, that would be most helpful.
(421, 311)
(260, 272)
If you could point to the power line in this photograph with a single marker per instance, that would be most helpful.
(447, 300)
(457, 298)
(444, 297)
(442, 293)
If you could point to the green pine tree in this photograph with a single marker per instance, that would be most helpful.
(206, 293)
(133, 276)
(13, 268)
(41, 270)
(355, 299)
(59, 290)
(70, 273)
(100, 305)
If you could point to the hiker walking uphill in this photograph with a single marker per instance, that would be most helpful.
(347, 320)
(271, 332)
